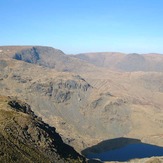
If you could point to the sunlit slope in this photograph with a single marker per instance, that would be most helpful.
(125, 62)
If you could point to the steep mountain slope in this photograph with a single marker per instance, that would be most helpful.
(26, 138)
(86, 113)
(57, 97)
(93, 103)
(125, 62)
(45, 56)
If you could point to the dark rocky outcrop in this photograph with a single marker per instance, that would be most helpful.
(61, 90)
(28, 55)
(22, 107)
(24, 137)
(46, 57)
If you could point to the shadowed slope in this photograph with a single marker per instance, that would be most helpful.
(26, 138)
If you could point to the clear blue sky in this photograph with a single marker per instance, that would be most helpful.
(76, 26)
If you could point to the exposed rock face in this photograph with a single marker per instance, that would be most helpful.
(60, 91)
(29, 55)
(22, 107)
(47, 57)
(40, 55)
(25, 137)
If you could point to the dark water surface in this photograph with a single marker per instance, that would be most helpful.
(130, 151)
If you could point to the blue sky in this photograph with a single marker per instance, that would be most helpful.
(76, 26)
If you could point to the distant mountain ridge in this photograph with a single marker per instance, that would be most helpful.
(57, 59)
(125, 62)
(45, 56)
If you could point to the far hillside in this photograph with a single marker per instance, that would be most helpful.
(125, 62)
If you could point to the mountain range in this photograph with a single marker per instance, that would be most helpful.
(88, 97)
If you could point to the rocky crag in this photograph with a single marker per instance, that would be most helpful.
(24, 137)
